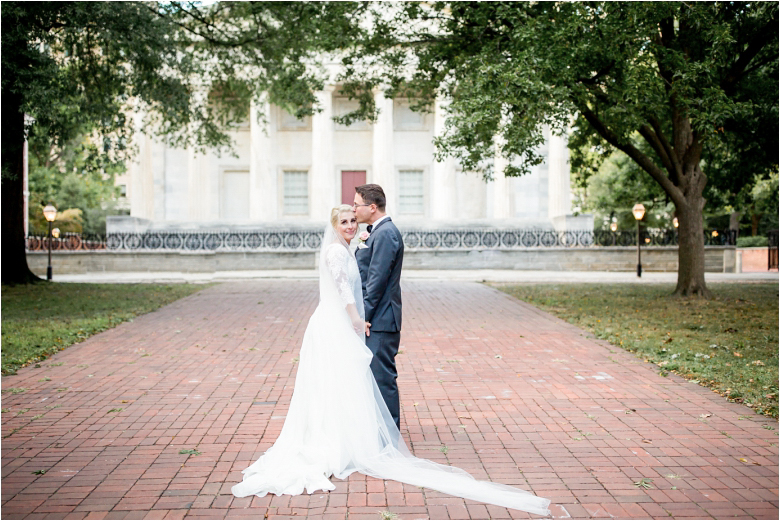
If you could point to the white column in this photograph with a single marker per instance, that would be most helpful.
(263, 200)
(322, 195)
(141, 177)
(559, 174)
(383, 166)
(444, 197)
(501, 207)
(196, 186)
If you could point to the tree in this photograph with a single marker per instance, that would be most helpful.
(611, 192)
(689, 78)
(618, 183)
(75, 174)
(764, 203)
(189, 71)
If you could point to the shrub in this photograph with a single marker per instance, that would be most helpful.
(752, 242)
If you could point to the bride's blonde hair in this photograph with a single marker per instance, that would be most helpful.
(338, 210)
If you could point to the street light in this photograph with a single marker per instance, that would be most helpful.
(613, 226)
(675, 222)
(50, 213)
(639, 212)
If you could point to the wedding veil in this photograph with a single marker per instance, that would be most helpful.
(334, 276)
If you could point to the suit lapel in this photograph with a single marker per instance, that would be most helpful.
(374, 229)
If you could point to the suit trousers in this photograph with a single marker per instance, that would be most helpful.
(384, 345)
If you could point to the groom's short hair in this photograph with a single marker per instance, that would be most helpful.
(372, 194)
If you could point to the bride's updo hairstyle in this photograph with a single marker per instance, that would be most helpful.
(338, 210)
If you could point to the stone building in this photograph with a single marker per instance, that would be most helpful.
(292, 172)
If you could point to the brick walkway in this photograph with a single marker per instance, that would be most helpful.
(514, 395)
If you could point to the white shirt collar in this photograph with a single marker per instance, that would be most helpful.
(379, 220)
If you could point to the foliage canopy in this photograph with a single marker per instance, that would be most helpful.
(692, 79)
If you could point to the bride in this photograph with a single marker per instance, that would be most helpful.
(338, 423)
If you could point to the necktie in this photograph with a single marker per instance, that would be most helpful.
(369, 228)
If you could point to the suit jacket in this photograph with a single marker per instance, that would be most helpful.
(380, 272)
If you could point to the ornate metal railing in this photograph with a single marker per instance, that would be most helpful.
(291, 240)
(520, 238)
(67, 242)
(251, 240)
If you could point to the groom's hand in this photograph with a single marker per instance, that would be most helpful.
(368, 331)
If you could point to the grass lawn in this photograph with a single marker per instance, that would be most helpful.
(40, 319)
(728, 344)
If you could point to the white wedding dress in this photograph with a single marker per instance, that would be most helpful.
(338, 422)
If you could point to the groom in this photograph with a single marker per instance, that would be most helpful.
(379, 260)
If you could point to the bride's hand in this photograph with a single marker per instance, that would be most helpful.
(358, 325)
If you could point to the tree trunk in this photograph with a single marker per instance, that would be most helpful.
(14, 268)
(690, 273)
(754, 220)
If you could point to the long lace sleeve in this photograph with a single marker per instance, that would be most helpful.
(337, 258)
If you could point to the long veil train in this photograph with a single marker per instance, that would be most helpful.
(338, 422)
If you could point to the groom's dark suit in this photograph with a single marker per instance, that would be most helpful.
(380, 271)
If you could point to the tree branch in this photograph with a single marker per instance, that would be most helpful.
(757, 42)
(652, 139)
(208, 25)
(592, 80)
(666, 146)
(664, 40)
(634, 153)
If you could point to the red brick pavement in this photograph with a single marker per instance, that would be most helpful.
(515, 396)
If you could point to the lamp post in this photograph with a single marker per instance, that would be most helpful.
(639, 212)
(50, 213)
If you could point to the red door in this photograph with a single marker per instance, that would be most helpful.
(349, 180)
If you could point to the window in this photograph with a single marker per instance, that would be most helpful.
(342, 106)
(296, 192)
(404, 118)
(411, 193)
(122, 190)
(287, 121)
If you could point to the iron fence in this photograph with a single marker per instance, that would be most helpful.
(414, 239)
(67, 242)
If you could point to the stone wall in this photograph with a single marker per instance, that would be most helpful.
(717, 259)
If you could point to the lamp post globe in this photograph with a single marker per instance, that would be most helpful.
(50, 212)
(639, 211)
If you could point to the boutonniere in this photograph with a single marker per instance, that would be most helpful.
(363, 237)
